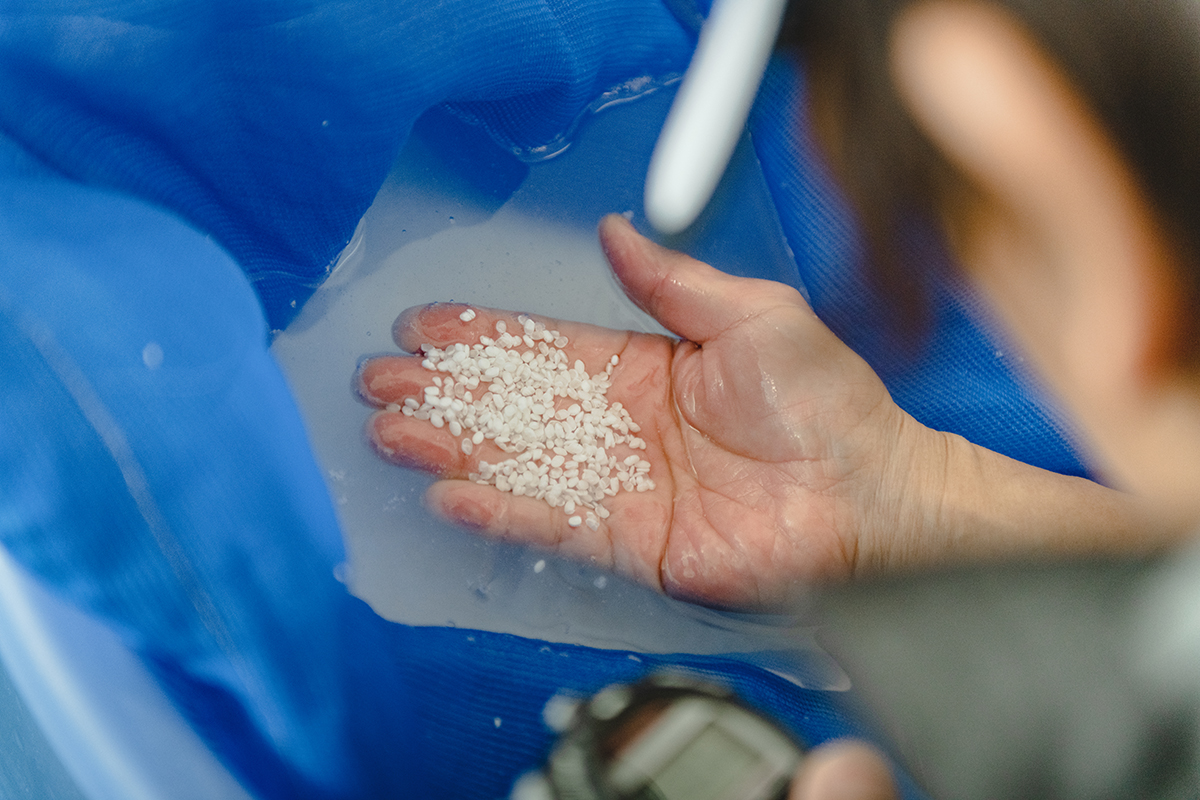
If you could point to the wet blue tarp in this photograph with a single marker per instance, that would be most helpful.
(175, 179)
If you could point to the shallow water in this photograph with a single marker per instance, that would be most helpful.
(456, 221)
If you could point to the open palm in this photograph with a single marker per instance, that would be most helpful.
(774, 449)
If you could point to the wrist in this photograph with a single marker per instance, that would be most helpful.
(962, 502)
(907, 524)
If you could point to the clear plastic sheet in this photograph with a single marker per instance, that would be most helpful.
(431, 235)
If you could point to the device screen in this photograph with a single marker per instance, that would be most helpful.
(709, 769)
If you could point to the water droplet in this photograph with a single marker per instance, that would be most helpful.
(152, 355)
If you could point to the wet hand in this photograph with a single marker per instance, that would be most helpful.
(777, 455)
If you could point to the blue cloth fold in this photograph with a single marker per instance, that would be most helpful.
(271, 125)
(155, 468)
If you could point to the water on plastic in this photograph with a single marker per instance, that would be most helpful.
(460, 220)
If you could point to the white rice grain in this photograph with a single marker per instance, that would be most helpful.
(543, 409)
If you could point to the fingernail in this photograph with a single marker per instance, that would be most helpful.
(614, 218)
(381, 380)
(470, 513)
(607, 222)
(387, 433)
(443, 321)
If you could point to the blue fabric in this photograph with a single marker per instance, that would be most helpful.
(175, 179)
(155, 470)
(966, 378)
(494, 686)
(271, 124)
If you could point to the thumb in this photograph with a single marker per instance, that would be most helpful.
(687, 296)
(844, 770)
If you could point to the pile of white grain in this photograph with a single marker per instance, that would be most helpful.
(553, 415)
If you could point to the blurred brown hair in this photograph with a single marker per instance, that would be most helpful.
(1135, 62)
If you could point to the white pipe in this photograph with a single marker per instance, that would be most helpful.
(710, 110)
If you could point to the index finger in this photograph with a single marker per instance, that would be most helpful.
(443, 324)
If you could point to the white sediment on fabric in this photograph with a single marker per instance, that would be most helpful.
(549, 412)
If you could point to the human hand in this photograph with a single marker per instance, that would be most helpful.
(777, 454)
(843, 770)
